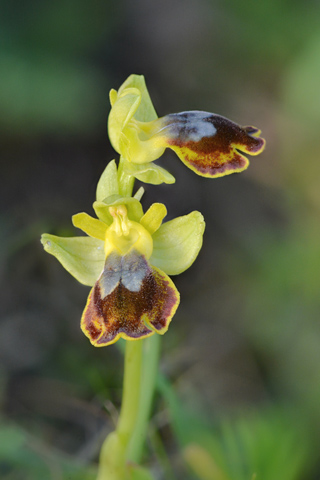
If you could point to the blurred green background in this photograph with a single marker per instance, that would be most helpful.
(240, 392)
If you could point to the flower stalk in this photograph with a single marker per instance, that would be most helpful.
(126, 443)
(114, 450)
(149, 373)
(125, 181)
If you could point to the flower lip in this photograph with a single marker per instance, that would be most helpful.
(131, 300)
(210, 144)
(204, 131)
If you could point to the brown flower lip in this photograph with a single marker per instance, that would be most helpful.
(211, 144)
(131, 299)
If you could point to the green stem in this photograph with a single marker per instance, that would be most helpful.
(151, 352)
(113, 455)
(131, 389)
(126, 181)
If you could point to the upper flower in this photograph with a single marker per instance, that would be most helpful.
(207, 143)
(126, 258)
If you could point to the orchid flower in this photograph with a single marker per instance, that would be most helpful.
(208, 143)
(127, 257)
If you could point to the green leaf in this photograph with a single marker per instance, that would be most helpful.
(108, 183)
(202, 463)
(149, 173)
(11, 440)
(177, 243)
(273, 443)
(91, 226)
(135, 472)
(82, 257)
(22, 457)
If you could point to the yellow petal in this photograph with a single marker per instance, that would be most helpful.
(113, 96)
(153, 217)
(91, 226)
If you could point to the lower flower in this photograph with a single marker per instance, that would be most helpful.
(126, 259)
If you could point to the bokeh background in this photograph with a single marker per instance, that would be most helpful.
(242, 356)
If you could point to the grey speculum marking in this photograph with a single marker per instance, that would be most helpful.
(129, 270)
(191, 126)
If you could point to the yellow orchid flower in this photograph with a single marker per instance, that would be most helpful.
(127, 258)
(209, 144)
